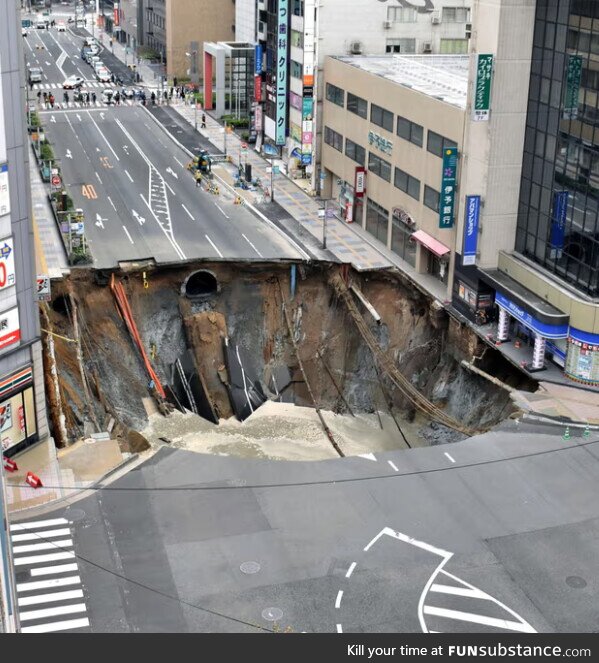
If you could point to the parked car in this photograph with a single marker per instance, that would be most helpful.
(85, 54)
(93, 59)
(73, 82)
(94, 48)
(35, 75)
(103, 75)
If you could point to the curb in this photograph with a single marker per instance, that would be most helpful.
(558, 421)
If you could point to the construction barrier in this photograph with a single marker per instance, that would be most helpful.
(9, 464)
(33, 480)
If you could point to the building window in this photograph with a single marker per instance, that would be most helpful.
(406, 183)
(381, 117)
(333, 139)
(401, 240)
(355, 152)
(402, 14)
(409, 130)
(335, 94)
(17, 417)
(296, 39)
(437, 143)
(379, 166)
(431, 198)
(297, 7)
(454, 46)
(357, 105)
(456, 14)
(400, 46)
(377, 221)
(295, 69)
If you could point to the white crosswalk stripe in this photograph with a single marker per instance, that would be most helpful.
(49, 587)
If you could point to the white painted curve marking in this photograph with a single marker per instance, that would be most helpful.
(479, 619)
(338, 599)
(367, 456)
(352, 566)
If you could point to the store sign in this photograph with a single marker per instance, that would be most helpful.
(360, 182)
(448, 184)
(7, 263)
(258, 59)
(257, 88)
(558, 223)
(482, 88)
(258, 118)
(542, 328)
(379, 142)
(281, 112)
(10, 331)
(572, 90)
(117, 14)
(471, 218)
(4, 192)
(43, 288)
(295, 100)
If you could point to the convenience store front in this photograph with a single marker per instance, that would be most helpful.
(18, 425)
(582, 359)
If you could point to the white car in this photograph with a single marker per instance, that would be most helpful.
(107, 95)
(24, 32)
(103, 75)
(73, 82)
(61, 26)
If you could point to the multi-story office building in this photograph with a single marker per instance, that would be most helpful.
(295, 37)
(22, 400)
(131, 21)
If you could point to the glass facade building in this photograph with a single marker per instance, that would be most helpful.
(558, 218)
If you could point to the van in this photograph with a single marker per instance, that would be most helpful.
(35, 75)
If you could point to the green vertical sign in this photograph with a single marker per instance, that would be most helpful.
(482, 87)
(448, 182)
(573, 74)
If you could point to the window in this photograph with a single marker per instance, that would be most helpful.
(377, 221)
(357, 105)
(409, 130)
(400, 46)
(401, 240)
(297, 7)
(295, 69)
(296, 38)
(456, 14)
(381, 117)
(355, 152)
(431, 198)
(437, 143)
(335, 94)
(379, 166)
(402, 14)
(405, 182)
(17, 416)
(454, 46)
(333, 139)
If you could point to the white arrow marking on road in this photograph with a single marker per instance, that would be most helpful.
(52, 119)
(47, 63)
(367, 456)
(172, 172)
(79, 117)
(126, 148)
(68, 155)
(139, 218)
(99, 221)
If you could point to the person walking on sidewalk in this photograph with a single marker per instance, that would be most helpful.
(51, 100)
(165, 96)
(175, 81)
(203, 121)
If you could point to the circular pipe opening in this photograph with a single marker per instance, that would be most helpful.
(61, 305)
(200, 284)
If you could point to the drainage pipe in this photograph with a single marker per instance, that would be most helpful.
(366, 303)
(488, 377)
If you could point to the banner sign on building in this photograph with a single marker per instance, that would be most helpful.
(258, 59)
(448, 182)
(541, 328)
(308, 81)
(7, 263)
(281, 114)
(558, 223)
(4, 192)
(471, 218)
(10, 331)
(360, 182)
(43, 288)
(482, 88)
(572, 93)
(117, 14)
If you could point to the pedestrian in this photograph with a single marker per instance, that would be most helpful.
(203, 121)
(198, 176)
(51, 100)
(45, 100)
(31, 85)
(165, 96)
(87, 98)
(112, 79)
(117, 98)
(153, 98)
(94, 98)
(39, 96)
(65, 97)
(170, 93)
(175, 81)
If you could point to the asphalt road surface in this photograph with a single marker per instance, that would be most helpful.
(495, 534)
(139, 200)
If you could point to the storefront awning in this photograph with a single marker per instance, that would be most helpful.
(430, 243)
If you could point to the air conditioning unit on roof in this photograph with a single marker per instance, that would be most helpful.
(355, 47)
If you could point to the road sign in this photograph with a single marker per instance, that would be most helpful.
(43, 288)
(55, 180)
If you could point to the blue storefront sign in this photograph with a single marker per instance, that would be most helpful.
(558, 223)
(448, 182)
(281, 114)
(471, 218)
(541, 328)
(258, 58)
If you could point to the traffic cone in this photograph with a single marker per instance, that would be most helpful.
(33, 480)
(567, 433)
(9, 464)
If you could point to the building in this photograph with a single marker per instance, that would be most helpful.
(130, 22)
(22, 400)
(177, 29)
(295, 37)
(388, 121)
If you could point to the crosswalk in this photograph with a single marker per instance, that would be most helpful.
(87, 85)
(50, 594)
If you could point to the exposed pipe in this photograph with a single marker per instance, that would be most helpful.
(488, 377)
(366, 303)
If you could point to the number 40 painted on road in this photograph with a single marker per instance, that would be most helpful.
(88, 191)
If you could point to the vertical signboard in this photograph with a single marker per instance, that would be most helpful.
(7, 263)
(4, 194)
(117, 14)
(471, 218)
(308, 83)
(360, 182)
(558, 223)
(281, 115)
(258, 59)
(572, 92)
(448, 182)
(482, 88)
(2, 136)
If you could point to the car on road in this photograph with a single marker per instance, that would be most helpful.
(93, 59)
(24, 31)
(35, 75)
(103, 75)
(61, 26)
(107, 96)
(94, 48)
(41, 24)
(73, 82)
(131, 93)
(86, 54)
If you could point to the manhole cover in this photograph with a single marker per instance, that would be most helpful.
(74, 515)
(272, 614)
(576, 582)
(249, 567)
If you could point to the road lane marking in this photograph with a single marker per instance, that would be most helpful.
(37, 559)
(52, 612)
(129, 176)
(110, 201)
(339, 628)
(338, 599)
(188, 212)
(460, 591)
(222, 211)
(50, 598)
(352, 566)
(450, 458)
(478, 619)
(177, 160)
(38, 524)
(56, 626)
(368, 456)
(128, 235)
(50, 570)
(17, 538)
(253, 247)
(168, 186)
(214, 246)
(47, 584)
(64, 543)
(393, 465)
(99, 180)
(103, 136)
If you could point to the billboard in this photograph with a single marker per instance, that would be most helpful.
(471, 218)
(10, 330)
(281, 114)
(481, 108)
